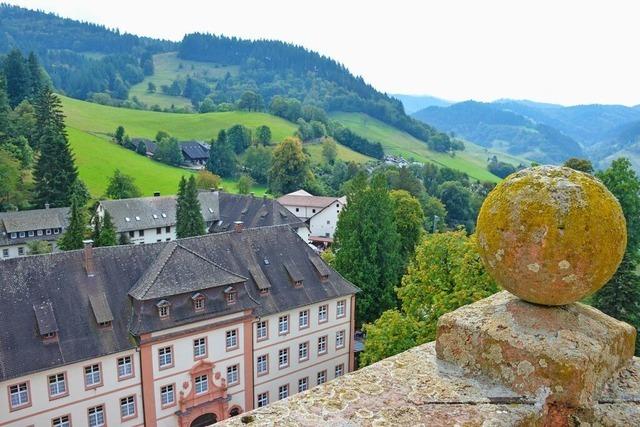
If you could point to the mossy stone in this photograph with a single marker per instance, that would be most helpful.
(551, 235)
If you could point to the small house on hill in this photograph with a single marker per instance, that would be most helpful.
(195, 153)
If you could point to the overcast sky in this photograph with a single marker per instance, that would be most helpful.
(562, 51)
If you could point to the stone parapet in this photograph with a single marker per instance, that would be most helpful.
(564, 354)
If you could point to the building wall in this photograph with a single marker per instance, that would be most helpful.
(151, 235)
(13, 250)
(324, 223)
(78, 400)
(181, 339)
(303, 212)
(315, 363)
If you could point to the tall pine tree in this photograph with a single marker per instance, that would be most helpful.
(367, 246)
(189, 221)
(74, 234)
(104, 232)
(55, 172)
(222, 159)
(17, 74)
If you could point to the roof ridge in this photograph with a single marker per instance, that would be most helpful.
(164, 256)
(210, 261)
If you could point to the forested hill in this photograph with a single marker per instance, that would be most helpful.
(89, 61)
(81, 58)
(492, 126)
(277, 68)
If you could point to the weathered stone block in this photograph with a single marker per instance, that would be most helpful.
(563, 354)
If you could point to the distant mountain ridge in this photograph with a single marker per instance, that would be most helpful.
(413, 103)
(492, 126)
(545, 132)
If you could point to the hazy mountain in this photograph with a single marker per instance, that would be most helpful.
(492, 125)
(413, 103)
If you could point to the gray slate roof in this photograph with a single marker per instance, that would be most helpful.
(178, 270)
(194, 150)
(37, 219)
(61, 280)
(253, 212)
(157, 211)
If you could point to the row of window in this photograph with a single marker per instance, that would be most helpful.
(198, 300)
(262, 361)
(303, 385)
(200, 350)
(262, 327)
(58, 387)
(96, 414)
(141, 232)
(32, 233)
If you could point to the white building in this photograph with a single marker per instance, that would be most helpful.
(182, 333)
(19, 228)
(320, 213)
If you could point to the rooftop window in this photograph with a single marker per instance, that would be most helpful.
(126, 218)
(163, 308)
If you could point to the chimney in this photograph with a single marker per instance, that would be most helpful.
(212, 189)
(88, 258)
(238, 226)
(156, 194)
(46, 205)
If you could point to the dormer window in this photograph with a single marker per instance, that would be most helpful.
(198, 301)
(49, 336)
(105, 325)
(163, 309)
(230, 295)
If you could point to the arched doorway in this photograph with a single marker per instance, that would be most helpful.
(234, 411)
(204, 420)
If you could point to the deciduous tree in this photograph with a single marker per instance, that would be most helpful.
(122, 186)
(290, 167)
(222, 159)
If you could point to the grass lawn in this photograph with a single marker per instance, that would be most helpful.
(97, 158)
(102, 119)
(344, 153)
(473, 160)
(168, 67)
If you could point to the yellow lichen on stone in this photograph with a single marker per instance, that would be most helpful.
(551, 235)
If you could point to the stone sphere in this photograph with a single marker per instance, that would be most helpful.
(551, 235)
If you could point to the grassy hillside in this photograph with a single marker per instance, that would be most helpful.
(97, 157)
(473, 160)
(167, 68)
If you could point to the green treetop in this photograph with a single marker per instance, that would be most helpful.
(290, 167)
(74, 234)
(367, 246)
(189, 221)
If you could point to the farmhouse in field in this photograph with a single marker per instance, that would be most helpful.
(195, 153)
(19, 228)
(321, 213)
(180, 333)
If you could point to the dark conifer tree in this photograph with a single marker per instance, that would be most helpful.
(104, 232)
(17, 74)
(4, 111)
(37, 79)
(189, 221)
(55, 172)
(49, 116)
(74, 234)
(222, 159)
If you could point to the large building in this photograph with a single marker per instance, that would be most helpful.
(19, 228)
(153, 219)
(319, 212)
(180, 333)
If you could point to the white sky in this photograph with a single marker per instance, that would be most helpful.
(562, 51)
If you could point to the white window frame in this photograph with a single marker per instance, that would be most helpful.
(283, 391)
(233, 374)
(322, 345)
(127, 407)
(321, 378)
(21, 394)
(341, 308)
(339, 370)
(340, 339)
(262, 330)
(201, 384)
(59, 385)
(165, 357)
(303, 351)
(231, 339)
(166, 392)
(303, 384)
(283, 325)
(200, 348)
(96, 416)
(283, 358)
(63, 421)
(263, 399)
(262, 364)
(303, 319)
(92, 375)
(125, 367)
(323, 313)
